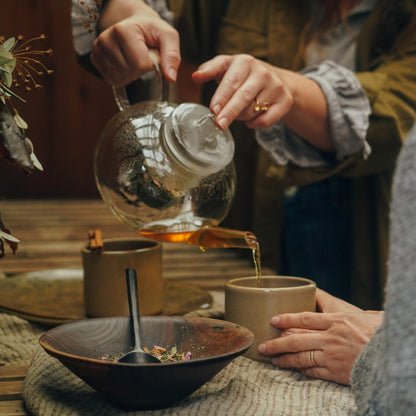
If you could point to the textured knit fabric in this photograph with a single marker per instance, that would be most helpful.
(384, 376)
(18, 340)
(244, 387)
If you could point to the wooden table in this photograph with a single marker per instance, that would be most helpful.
(52, 233)
(11, 384)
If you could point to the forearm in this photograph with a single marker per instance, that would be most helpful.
(308, 116)
(346, 111)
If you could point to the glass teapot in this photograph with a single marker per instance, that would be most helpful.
(165, 169)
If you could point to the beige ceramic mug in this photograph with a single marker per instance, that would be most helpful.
(105, 289)
(253, 307)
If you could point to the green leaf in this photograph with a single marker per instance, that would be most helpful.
(9, 43)
(19, 121)
(10, 92)
(14, 140)
(6, 58)
(8, 237)
(32, 156)
(7, 66)
(36, 162)
(6, 77)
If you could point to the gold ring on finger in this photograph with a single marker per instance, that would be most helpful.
(261, 107)
(311, 357)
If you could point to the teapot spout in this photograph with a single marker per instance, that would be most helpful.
(220, 237)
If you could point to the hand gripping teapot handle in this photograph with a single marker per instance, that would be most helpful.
(120, 94)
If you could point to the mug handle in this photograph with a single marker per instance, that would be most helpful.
(120, 94)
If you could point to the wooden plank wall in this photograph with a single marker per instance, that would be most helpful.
(66, 116)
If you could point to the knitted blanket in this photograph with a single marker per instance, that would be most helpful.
(18, 340)
(244, 387)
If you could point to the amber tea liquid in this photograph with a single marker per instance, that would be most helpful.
(213, 237)
(181, 237)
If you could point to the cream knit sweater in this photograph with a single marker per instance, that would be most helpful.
(384, 376)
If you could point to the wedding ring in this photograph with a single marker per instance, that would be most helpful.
(261, 107)
(311, 356)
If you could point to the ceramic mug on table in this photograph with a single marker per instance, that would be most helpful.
(105, 290)
(253, 307)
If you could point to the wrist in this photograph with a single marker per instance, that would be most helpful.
(289, 79)
(297, 86)
(308, 115)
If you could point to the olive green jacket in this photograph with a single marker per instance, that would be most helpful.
(270, 30)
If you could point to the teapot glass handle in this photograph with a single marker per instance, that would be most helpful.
(120, 94)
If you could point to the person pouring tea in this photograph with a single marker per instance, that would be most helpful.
(330, 106)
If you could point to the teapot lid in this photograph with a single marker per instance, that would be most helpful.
(194, 140)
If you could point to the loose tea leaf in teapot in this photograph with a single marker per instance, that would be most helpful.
(165, 168)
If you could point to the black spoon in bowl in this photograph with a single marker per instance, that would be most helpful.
(136, 355)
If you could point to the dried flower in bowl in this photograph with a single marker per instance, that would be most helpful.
(171, 355)
(164, 355)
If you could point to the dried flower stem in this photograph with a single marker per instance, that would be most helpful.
(28, 63)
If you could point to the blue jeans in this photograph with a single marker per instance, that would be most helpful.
(316, 239)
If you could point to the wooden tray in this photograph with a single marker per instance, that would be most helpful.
(55, 296)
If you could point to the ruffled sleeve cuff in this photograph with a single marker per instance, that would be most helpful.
(348, 107)
(348, 110)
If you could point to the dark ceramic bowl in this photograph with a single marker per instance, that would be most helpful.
(80, 345)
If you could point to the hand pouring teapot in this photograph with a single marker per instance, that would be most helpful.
(164, 169)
